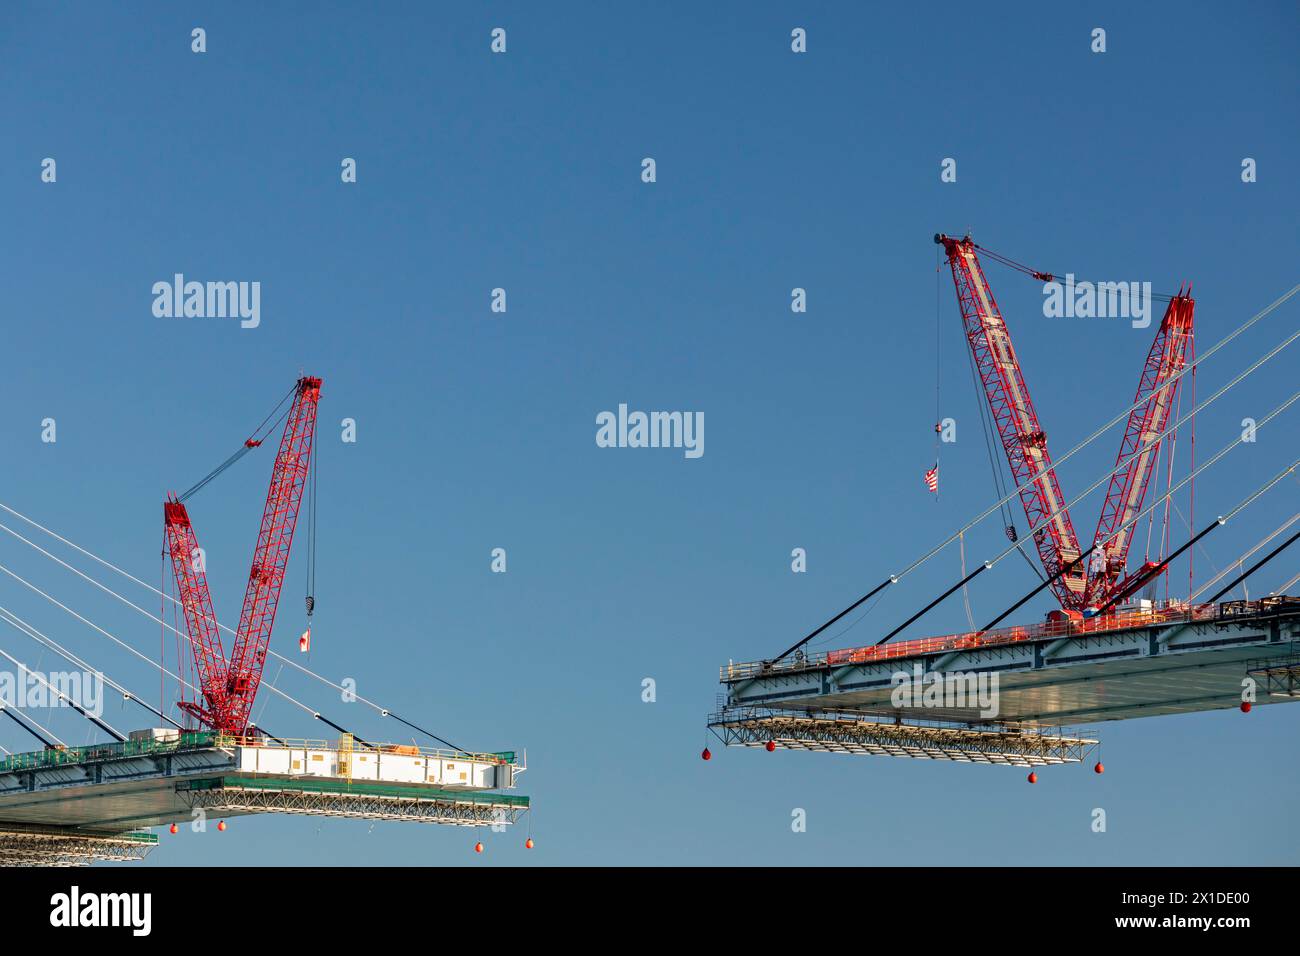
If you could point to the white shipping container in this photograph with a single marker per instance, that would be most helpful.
(402, 768)
(321, 763)
(456, 773)
(271, 759)
(365, 766)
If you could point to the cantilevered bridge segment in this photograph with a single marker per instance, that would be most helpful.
(85, 804)
(1143, 662)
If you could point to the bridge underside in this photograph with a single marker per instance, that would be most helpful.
(114, 807)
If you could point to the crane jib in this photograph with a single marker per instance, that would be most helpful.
(229, 686)
(1025, 443)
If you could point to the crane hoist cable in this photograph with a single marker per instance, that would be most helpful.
(310, 601)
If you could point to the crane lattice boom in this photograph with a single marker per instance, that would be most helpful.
(229, 688)
(1025, 442)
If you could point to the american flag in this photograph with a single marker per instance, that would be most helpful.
(932, 479)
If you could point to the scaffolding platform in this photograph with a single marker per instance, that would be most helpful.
(61, 846)
(853, 734)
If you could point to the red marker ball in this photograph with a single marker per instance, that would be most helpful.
(528, 844)
(707, 755)
(221, 827)
(478, 847)
(1099, 768)
(172, 829)
(771, 745)
(1033, 778)
(1245, 707)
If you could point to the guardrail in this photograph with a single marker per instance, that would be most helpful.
(1121, 620)
(63, 756)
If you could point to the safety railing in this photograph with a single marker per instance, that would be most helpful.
(1120, 620)
(64, 756)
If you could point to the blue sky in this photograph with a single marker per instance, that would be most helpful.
(476, 430)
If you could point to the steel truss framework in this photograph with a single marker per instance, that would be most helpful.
(467, 813)
(1277, 678)
(852, 734)
(56, 846)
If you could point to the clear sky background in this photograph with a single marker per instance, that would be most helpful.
(477, 430)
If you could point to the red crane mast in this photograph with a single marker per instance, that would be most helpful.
(1023, 438)
(229, 688)
(200, 619)
(271, 554)
(1025, 442)
(1128, 485)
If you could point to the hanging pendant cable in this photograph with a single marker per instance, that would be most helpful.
(253, 441)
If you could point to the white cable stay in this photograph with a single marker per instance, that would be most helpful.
(16, 622)
(1122, 415)
(1237, 564)
(60, 694)
(27, 717)
(157, 620)
(378, 708)
(1200, 468)
(1283, 589)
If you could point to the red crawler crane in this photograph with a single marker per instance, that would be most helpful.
(1025, 442)
(228, 689)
